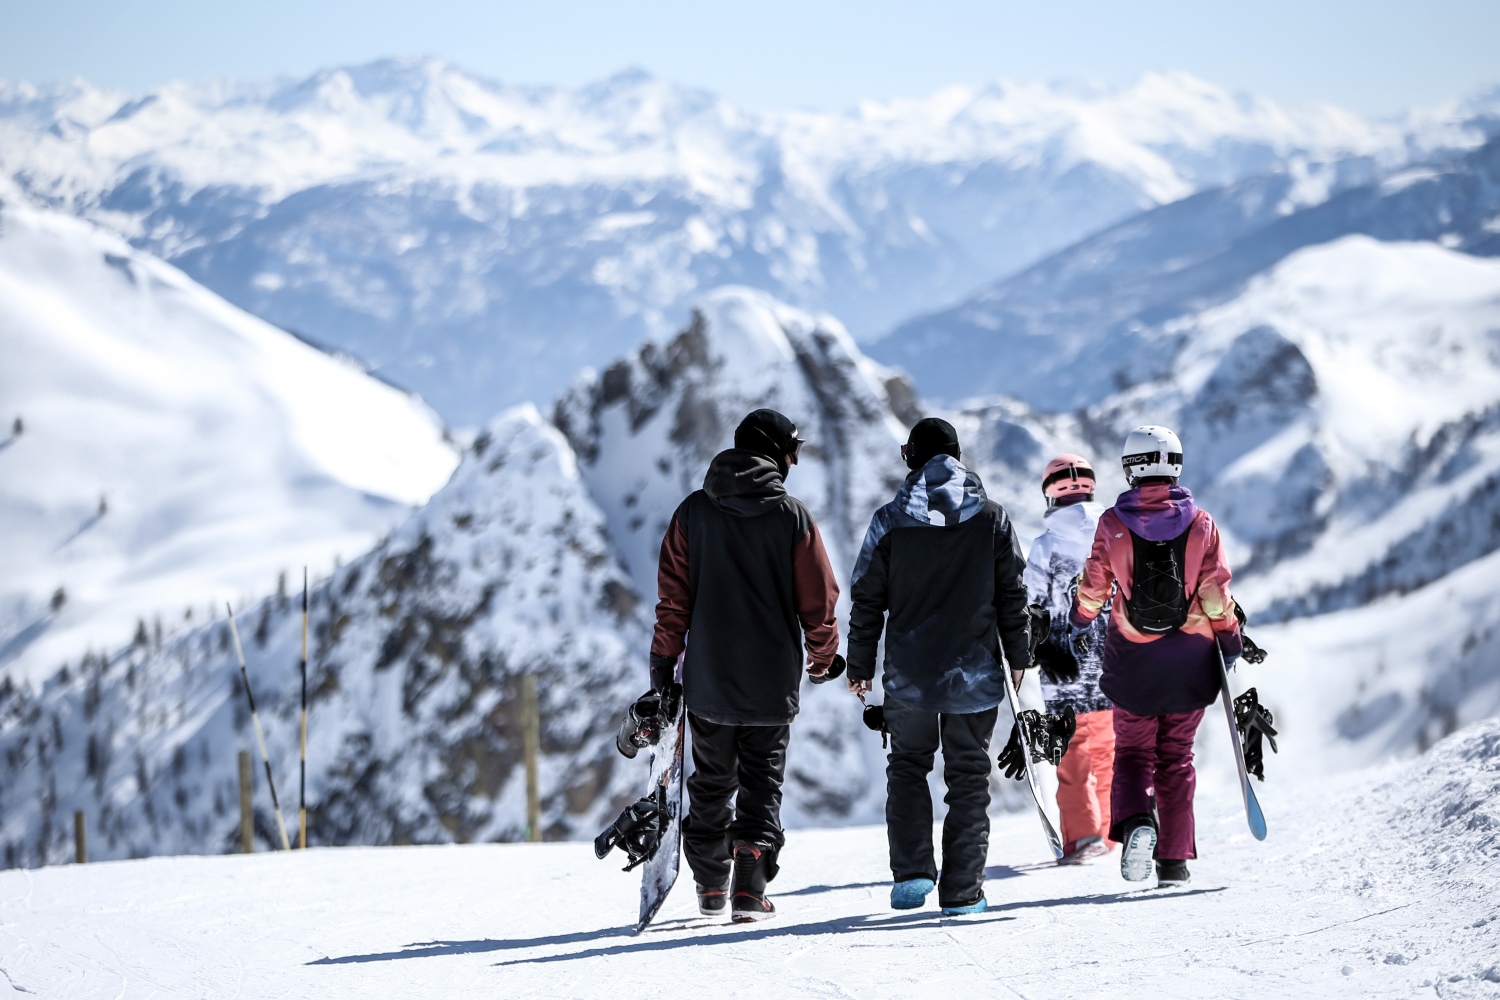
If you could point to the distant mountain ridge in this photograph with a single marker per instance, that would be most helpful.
(1099, 316)
(479, 242)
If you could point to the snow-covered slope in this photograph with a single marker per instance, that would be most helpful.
(173, 451)
(1374, 885)
(1087, 321)
(417, 650)
(479, 242)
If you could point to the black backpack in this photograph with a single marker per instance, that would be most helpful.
(1158, 597)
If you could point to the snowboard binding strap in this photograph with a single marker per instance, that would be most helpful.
(637, 830)
(1254, 722)
(1045, 736)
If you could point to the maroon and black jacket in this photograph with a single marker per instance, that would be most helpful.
(743, 580)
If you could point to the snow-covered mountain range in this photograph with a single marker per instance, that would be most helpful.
(163, 451)
(1324, 335)
(1099, 315)
(479, 242)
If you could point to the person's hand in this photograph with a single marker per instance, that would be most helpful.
(1016, 677)
(1083, 642)
(860, 686)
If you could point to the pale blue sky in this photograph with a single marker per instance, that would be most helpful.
(1373, 56)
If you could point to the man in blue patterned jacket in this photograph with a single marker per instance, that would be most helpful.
(940, 575)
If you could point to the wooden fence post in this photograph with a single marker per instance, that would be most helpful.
(247, 817)
(531, 733)
(80, 838)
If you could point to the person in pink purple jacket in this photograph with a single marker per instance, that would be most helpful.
(1160, 556)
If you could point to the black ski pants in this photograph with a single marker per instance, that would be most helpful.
(965, 740)
(734, 793)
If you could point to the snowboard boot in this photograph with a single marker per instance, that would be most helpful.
(980, 905)
(713, 900)
(911, 893)
(1076, 852)
(750, 865)
(1139, 838)
(1170, 874)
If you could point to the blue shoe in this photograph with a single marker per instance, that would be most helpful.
(979, 907)
(911, 894)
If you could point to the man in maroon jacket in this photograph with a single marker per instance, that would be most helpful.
(743, 583)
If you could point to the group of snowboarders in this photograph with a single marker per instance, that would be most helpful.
(1125, 612)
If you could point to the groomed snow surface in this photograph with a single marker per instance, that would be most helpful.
(1383, 884)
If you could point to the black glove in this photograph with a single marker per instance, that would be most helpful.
(1012, 759)
(1041, 626)
(874, 719)
(1057, 665)
(1252, 653)
(835, 669)
(663, 671)
(1042, 737)
(1083, 642)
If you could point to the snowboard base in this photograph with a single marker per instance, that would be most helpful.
(1253, 815)
(659, 873)
(1053, 840)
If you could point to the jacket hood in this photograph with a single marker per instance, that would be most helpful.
(744, 483)
(942, 492)
(1157, 512)
(1074, 522)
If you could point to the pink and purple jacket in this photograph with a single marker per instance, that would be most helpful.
(1179, 671)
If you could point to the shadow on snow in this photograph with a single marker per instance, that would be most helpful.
(839, 925)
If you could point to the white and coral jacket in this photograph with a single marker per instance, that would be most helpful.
(1052, 571)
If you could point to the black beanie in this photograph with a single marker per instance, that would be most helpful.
(767, 433)
(931, 436)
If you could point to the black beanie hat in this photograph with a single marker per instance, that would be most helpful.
(930, 436)
(768, 433)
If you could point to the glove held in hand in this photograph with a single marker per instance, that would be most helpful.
(835, 669)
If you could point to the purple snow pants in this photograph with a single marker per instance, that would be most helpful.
(1155, 753)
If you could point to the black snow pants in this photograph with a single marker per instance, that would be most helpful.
(965, 740)
(734, 793)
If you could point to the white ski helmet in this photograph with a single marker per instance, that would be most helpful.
(1152, 451)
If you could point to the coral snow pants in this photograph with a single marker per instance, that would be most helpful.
(1084, 778)
(1154, 753)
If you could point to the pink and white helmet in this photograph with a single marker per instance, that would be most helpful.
(1066, 475)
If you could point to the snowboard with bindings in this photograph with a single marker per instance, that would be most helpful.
(1253, 814)
(659, 873)
(1053, 840)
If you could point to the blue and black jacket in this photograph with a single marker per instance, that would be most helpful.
(943, 560)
